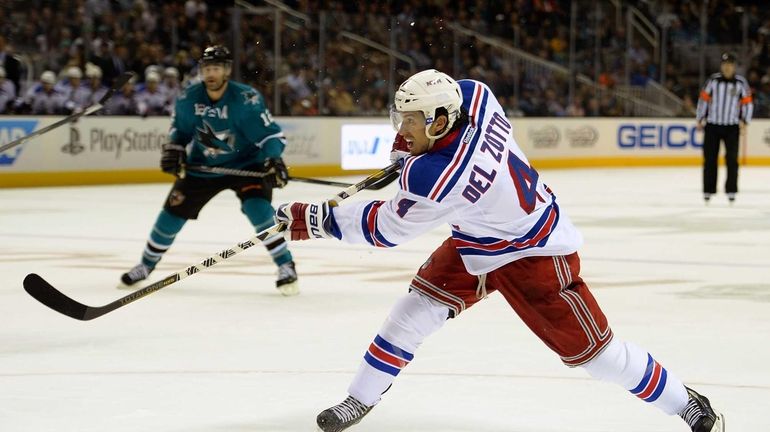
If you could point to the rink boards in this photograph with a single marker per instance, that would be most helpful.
(109, 150)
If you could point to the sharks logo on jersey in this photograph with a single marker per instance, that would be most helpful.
(216, 142)
(250, 97)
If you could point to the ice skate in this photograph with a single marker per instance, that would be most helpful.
(136, 274)
(287, 279)
(699, 414)
(342, 416)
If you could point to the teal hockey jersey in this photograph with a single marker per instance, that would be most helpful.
(237, 131)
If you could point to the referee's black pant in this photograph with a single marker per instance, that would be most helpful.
(712, 136)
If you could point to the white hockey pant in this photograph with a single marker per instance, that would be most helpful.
(413, 318)
(636, 370)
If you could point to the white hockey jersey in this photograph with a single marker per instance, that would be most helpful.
(478, 181)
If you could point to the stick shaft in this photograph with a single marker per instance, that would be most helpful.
(257, 174)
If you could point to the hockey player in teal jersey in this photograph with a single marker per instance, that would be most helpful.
(220, 123)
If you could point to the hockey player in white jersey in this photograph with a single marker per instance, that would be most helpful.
(509, 234)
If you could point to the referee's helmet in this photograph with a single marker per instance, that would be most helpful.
(728, 57)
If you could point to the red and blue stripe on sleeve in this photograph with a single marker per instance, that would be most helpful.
(369, 226)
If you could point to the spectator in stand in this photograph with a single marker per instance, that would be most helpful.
(182, 62)
(298, 84)
(593, 109)
(688, 107)
(98, 7)
(512, 108)
(43, 98)
(305, 107)
(762, 97)
(575, 109)
(151, 100)
(172, 88)
(123, 102)
(193, 73)
(554, 107)
(115, 64)
(96, 90)
(10, 64)
(7, 91)
(341, 102)
(194, 7)
(75, 93)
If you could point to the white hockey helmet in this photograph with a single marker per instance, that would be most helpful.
(152, 69)
(171, 71)
(427, 91)
(152, 76)
(48, 77)
(93, 71)
(74, 72)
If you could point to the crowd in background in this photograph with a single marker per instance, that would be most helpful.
(78, 47)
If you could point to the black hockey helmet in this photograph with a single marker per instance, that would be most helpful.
(727, 58)
(216, 54)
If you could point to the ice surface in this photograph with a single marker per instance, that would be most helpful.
(222, 351)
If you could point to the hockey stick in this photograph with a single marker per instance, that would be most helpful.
(45, 293)
(241, 173)
(119, 83)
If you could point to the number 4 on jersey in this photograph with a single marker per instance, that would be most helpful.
(525, 178)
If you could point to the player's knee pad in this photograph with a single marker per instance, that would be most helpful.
(620, 362)
(413, 318)
(259, 211)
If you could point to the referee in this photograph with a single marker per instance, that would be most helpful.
(724, 108)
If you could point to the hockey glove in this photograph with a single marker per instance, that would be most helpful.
(172, 158)
(399, 150)
(306, 221)
(278, 174)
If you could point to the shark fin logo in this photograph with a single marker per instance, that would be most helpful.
(216, 142)
(250, 96)
(11, 130)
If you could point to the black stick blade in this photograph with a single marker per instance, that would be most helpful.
(116, 86)
(45, 293)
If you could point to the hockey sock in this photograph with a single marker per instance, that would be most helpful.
(166, 227)
(260, 214)
(411, 320)
(637, 371)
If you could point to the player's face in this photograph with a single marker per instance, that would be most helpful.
(728, 69)
(413, 130)
(214, 75)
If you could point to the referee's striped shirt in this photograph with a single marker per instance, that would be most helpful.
(725, 101)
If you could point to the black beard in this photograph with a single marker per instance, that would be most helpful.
(219, 87)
